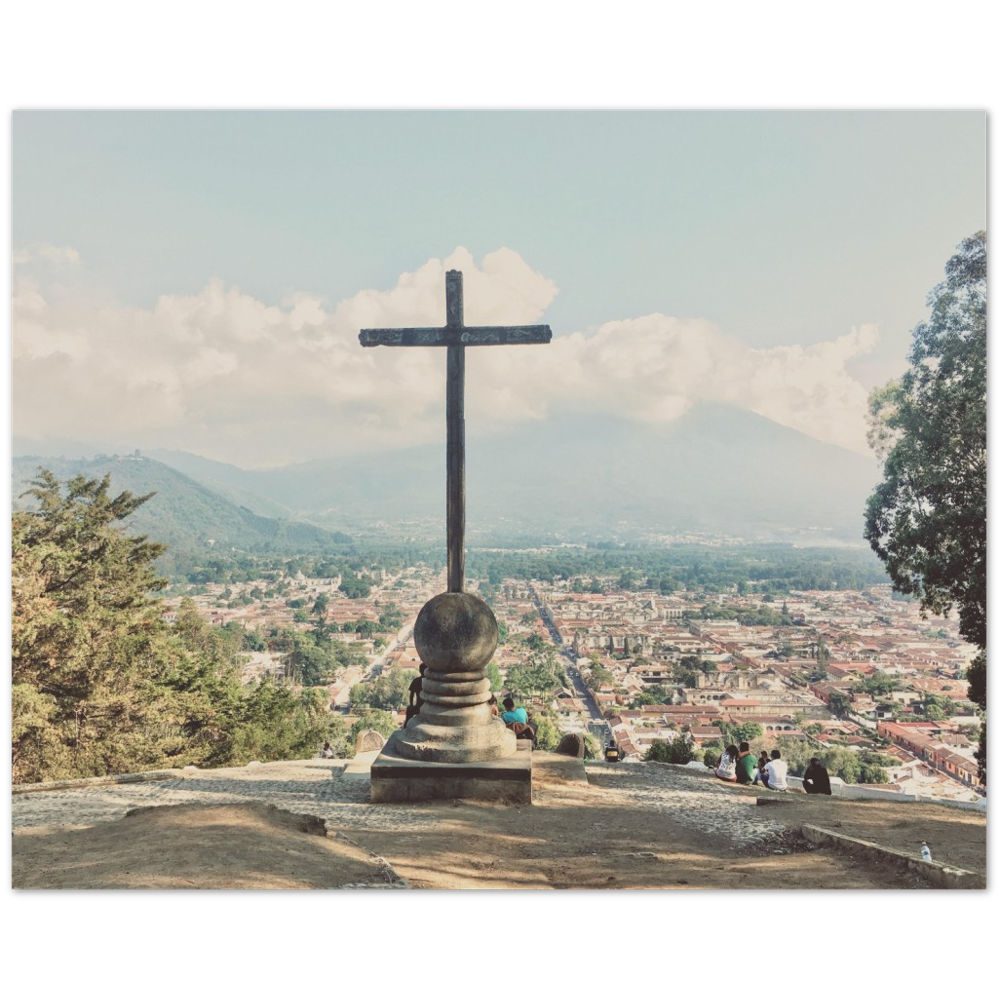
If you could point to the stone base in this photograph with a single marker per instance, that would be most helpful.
(397, 779)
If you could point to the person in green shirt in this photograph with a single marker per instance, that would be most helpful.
(746, 765)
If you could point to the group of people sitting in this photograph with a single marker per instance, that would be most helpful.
(741, 765)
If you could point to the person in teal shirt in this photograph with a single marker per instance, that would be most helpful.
(512, 714)
(746, 765)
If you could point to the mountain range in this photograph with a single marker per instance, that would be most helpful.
(183, 513)
(717, 471)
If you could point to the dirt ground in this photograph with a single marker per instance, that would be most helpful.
(587, 837)
(192, 847)
(576, 835)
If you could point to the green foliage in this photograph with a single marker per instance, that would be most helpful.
(879, 684)
(376, 719)
(599, 675)
(101, 683)
(355, 587)
(390, 692)
(494, 676)
(927, 518)
(538, 677)
(691, 566)
(390, 618)
(840, 704)
(547, 733)
(746, 731)
(688, 668)
(654, 694)
(852, 767)
(185, 515)
(680, 750)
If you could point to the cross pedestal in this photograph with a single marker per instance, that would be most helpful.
(454, 747)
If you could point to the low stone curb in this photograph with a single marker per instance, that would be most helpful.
(109, 779)
(943, 876)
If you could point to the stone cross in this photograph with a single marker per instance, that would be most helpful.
(456, 336)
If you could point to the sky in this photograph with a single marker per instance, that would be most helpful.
(196, 280)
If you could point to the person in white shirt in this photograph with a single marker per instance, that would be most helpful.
(777, 772)
(727, 764)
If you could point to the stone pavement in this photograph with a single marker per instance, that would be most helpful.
(335, 790)
(338, 792)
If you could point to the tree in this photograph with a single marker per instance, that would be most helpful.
(495, 678)
(840, 703)
(927, 519)
(680, 750)
(599, 675)
(86, 637)
(878, 684)
(389, 692)
(381, 722)
(747, 731)
(547, 734)
(102, 684)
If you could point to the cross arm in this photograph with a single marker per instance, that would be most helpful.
(468, 336)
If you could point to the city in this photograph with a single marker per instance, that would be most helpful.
(856, 671)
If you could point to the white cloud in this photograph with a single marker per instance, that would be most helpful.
(48, 254)
(227, 376)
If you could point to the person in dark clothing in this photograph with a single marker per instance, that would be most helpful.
(416, 686)
(761, 773)
(816, 780)
(612, 751)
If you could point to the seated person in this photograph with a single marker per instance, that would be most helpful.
(746, 765)
(511, 714)
(612, 751)
(494, 710)
(327, 752)
(777, 773)
(416, 686)
(761, 772)
(726, 769)
(816, 780)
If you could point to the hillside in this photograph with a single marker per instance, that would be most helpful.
(184, 514)
(718, 470)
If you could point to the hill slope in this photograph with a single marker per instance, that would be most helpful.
(718, 470)
(184, 514)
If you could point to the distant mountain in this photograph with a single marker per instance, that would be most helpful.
(229, 481)
(184, 514)
(717, 470)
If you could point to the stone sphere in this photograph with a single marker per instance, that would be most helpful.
(455, 633)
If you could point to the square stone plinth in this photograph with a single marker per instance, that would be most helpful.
(397, 779)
